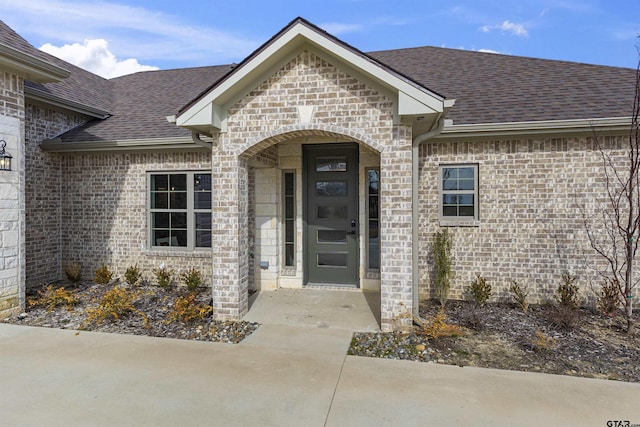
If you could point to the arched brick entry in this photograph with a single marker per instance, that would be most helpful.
(231, 206)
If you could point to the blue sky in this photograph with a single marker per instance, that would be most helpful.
(120, 37)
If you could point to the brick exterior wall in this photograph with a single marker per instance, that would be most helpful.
(104, 212)
(532, 196)
(12, 273)
(42, 188)
(344, 108)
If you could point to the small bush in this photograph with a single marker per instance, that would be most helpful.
(164, 276)
(609, 298)
(187, 309)
(567, 292)
(437, 326)
(192, 279)
(51, 298)
(442, 259)
(103, 275)
(114, 304)
(480, 290)
(564, 316)
(73, 272)
(132, 274)
(519, 295)
(542, 342)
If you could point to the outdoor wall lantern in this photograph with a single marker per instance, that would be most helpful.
(5, 158)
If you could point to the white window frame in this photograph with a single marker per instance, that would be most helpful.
(190, 211)
(367, 240)
(475, 192)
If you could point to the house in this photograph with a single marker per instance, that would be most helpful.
(309, 164)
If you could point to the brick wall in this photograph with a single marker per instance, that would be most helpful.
(42, 188)
(12, 196)
(311, 100)
(104, 213)
(532, 196)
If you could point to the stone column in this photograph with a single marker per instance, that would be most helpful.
(396, 269)
(12, 274)
(230, 238)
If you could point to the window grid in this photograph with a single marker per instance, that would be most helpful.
(458, 185)
(179, 210)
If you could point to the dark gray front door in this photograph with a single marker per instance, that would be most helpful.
(331, 214)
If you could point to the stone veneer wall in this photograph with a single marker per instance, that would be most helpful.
(310, 97)
(530, 227)
(42, 188)
(104, 211)
(12, 196)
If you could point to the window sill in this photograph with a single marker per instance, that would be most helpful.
(459, 223)
(200, 253)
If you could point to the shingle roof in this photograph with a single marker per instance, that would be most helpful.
(82, 87)
(493, 88)
(143, 100)
(489, 88)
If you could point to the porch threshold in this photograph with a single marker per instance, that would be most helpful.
(331, 287)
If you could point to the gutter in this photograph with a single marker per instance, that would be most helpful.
(415, 171)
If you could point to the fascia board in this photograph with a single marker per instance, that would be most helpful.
(48, 99)
(30, 67)
(153, 144)
(543, 127)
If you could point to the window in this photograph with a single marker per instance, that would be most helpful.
(373, 217)
(459, 192)
(180, 210)
(289, 195)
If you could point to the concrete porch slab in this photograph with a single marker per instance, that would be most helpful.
(352, 310)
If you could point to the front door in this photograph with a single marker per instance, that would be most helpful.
(331, 214)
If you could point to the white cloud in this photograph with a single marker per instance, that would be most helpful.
(489, 51)
(337, 28)
(94, 55)
(508, 27)
(155, 35)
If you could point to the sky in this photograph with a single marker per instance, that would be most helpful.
(113, 38)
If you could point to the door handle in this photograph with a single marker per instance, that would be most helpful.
(353, 223)
(353, 232)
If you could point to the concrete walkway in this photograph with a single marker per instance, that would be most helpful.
(282, 375)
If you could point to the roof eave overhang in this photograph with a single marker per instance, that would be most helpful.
(208, 113)
(542, 128)
(30, 67)
(46, 98)
(56, 145)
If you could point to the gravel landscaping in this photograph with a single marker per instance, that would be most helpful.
(498, 335)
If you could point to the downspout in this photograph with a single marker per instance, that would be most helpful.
(415, 153)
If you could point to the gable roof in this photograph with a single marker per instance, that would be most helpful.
(489, 88)
(209, 109)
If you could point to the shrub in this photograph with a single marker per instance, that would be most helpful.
(164, 276)
(542, 342)
(480, 290)
(564, 316)
(187, 309)
(567, 292)
(442, 259)
(114, 304)
(437, 326)
(73, 272)
(608, 301)
(132, 274)
(192, 279)
(54, 297)
(103, 275)
(520, 295)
